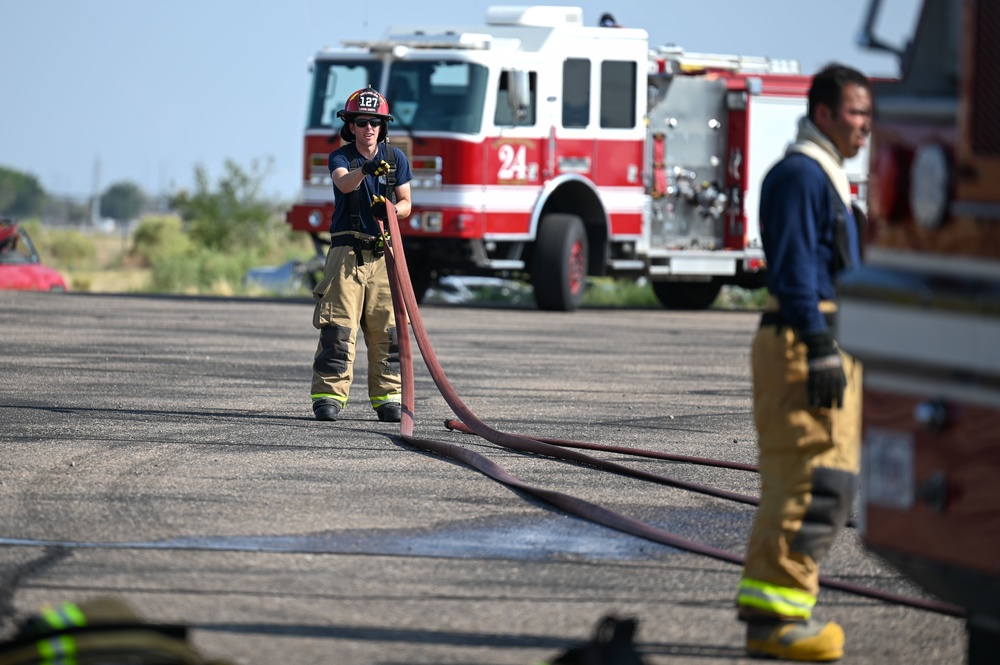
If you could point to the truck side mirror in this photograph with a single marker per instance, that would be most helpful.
(518, 91)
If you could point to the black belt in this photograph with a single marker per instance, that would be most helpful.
(348, 240)
(776, 319)
(365, 243)
(371, 244)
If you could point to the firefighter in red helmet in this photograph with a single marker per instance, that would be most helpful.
(368, 175)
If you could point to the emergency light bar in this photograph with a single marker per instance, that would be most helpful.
(687, 62)
(539, 16)
(448, 40)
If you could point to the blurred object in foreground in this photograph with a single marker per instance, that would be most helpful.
(101, 631)
(612, 644)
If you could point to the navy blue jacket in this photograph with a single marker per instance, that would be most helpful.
(797, 228)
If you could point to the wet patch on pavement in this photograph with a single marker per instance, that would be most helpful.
(549, 538)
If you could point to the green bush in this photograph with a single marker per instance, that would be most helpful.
(157, 235)
(173, 271)
(284, 244)
(70, 248)
(233, 211)
(39, 236)
(181, 264)
(197, 270)
(608, 292)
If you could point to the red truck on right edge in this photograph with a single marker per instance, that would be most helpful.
(923, 314)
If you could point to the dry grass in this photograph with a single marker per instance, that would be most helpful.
(111, 270)
(109, 280)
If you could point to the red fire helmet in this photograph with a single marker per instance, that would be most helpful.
(367, 101)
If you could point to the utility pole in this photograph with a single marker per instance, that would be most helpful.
(95, 196)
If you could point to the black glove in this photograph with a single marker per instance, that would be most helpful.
(378, 207)
(826, 371)
(375, 167)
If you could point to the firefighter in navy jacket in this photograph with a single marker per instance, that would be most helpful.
(368, 175)
(806, 391)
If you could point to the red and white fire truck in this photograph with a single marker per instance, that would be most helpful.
(924, 315)
(549, 150)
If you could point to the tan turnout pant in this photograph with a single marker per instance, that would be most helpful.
(809, 460)
(352, 296)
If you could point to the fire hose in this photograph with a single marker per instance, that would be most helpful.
(408, 317)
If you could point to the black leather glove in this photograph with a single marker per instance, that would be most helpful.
(826, 370)
(379, 204)
(375, 167)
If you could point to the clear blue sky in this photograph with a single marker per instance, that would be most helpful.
(148, 89)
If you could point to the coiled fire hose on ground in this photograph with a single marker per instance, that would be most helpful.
(408, 317)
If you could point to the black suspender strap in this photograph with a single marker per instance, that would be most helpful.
(841, 239)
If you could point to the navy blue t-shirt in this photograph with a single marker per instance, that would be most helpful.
(342, 158)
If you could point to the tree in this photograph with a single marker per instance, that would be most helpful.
(234, 215)
(20, 194)
(122, 201)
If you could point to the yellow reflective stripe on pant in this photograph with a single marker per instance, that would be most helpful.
(340, 400)
(784, 601)
(60, 650)
(378, 401)
(65, 616)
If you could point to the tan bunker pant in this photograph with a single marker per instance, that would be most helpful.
(809, 460)
(355, 293)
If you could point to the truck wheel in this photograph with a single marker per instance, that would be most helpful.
(559, 267)
(686, 295)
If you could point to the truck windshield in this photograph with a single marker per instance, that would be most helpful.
(437, 95)
(333, 81)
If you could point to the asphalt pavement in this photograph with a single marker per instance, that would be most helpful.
(163, 450)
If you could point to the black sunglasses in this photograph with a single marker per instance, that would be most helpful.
(364, 122)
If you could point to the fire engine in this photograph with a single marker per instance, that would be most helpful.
(923, 315)
(548, 150)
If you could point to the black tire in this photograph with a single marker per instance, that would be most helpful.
(559, 266)
(687, 295)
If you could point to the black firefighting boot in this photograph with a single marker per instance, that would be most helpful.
(801, 641)
(326, 408)
(390, 412)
